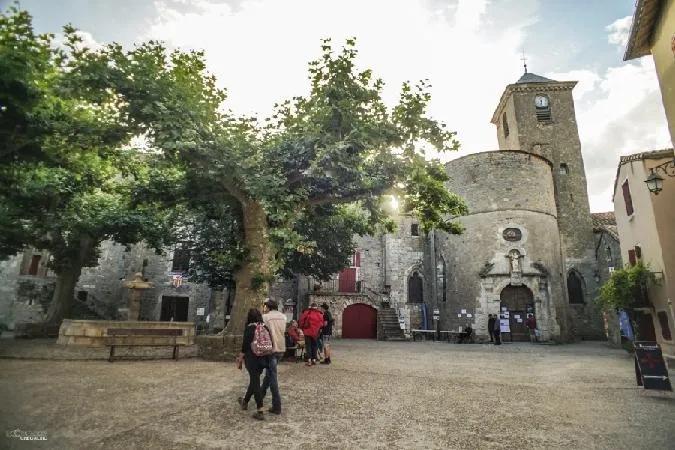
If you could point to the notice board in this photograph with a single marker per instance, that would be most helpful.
(650, 367)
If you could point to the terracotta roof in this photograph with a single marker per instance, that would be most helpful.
(645, 17)
(653, 154)
(604, 218)
(605, 222)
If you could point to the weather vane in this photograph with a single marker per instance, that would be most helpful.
(524, 60)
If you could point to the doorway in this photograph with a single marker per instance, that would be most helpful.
(359, 321)
(518, 302)
(175, 308)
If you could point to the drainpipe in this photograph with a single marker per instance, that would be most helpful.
(384, 258)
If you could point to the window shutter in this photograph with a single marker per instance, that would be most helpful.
(638, 252)
(631, 257)
(357, 259)
(627, 199)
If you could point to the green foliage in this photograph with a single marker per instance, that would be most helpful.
(625, 286)
(322, 167)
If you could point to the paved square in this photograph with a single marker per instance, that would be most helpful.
(374, 395)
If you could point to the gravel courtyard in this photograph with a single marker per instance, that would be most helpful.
(375, 395)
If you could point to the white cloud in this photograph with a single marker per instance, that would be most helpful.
(468, 49)
(619, 30)
(260, 50)
(87, 40)
(619, 112)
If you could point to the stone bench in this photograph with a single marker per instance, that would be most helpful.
(143, 337)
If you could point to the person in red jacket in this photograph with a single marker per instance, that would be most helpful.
(311, 322)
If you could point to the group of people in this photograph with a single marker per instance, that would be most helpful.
(264, 344)
(494, 328)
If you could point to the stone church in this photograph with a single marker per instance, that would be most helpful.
(528, 248)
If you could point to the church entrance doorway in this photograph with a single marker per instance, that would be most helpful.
(359, 321)
(174, 309)
(518, 302)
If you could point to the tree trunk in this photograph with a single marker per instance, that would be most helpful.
(258, 264)
(64, 294)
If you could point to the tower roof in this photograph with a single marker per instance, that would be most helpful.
(533, 78)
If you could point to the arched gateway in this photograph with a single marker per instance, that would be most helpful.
(518, 301)
(359, 321)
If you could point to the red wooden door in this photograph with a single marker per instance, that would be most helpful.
(359, 321)
(347, 280)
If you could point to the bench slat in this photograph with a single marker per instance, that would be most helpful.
(145, 332)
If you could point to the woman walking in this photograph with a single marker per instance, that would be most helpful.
(254, 364)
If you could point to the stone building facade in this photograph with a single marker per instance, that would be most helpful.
(26, 293)
(528, 247)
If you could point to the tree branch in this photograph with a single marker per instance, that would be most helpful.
(234, 191)
(347, 197)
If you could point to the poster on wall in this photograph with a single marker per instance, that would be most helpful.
(504, 326)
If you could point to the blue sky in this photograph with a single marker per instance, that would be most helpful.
(468, 49)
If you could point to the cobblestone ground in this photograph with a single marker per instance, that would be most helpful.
(375, 395)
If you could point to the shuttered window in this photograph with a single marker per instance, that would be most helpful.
(638, 252)
(627, 199)
(631, 257)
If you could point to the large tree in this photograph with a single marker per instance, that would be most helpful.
(317, 162)
(68, 177)
(323, 163)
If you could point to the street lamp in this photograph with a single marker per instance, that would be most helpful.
(655, 181)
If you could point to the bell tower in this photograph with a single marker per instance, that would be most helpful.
(536, 115)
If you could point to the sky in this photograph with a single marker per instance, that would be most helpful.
(469, 50)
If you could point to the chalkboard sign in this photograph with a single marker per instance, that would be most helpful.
(650, 368)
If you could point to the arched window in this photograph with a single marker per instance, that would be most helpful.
(415, 288)
(505, 125)
(575, 289)
(440, 277)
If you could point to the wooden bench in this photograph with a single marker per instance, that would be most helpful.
(143, 337)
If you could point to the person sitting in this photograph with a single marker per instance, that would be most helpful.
(465, 335)
(294, 339)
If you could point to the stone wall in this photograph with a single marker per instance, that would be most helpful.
(606, 259)
(23, 298)
(517, 197)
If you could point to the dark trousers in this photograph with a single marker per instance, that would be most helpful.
(254, 368)
(271, 381)
(310, 347)
(492, 335)
(498, 338)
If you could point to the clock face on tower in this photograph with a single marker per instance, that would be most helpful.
(541, 101)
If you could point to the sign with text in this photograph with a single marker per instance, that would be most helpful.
(650, 368)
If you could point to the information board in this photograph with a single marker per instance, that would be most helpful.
(504, 326)
(650, 368)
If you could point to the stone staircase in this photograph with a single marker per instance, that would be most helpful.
(388, 328)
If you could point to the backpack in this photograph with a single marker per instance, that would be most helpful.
(262, 341)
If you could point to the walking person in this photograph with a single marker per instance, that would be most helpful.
(254, 363)
(310, 324)
(327, 332)
(276, 323)
(497, 330)
(491, 327)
